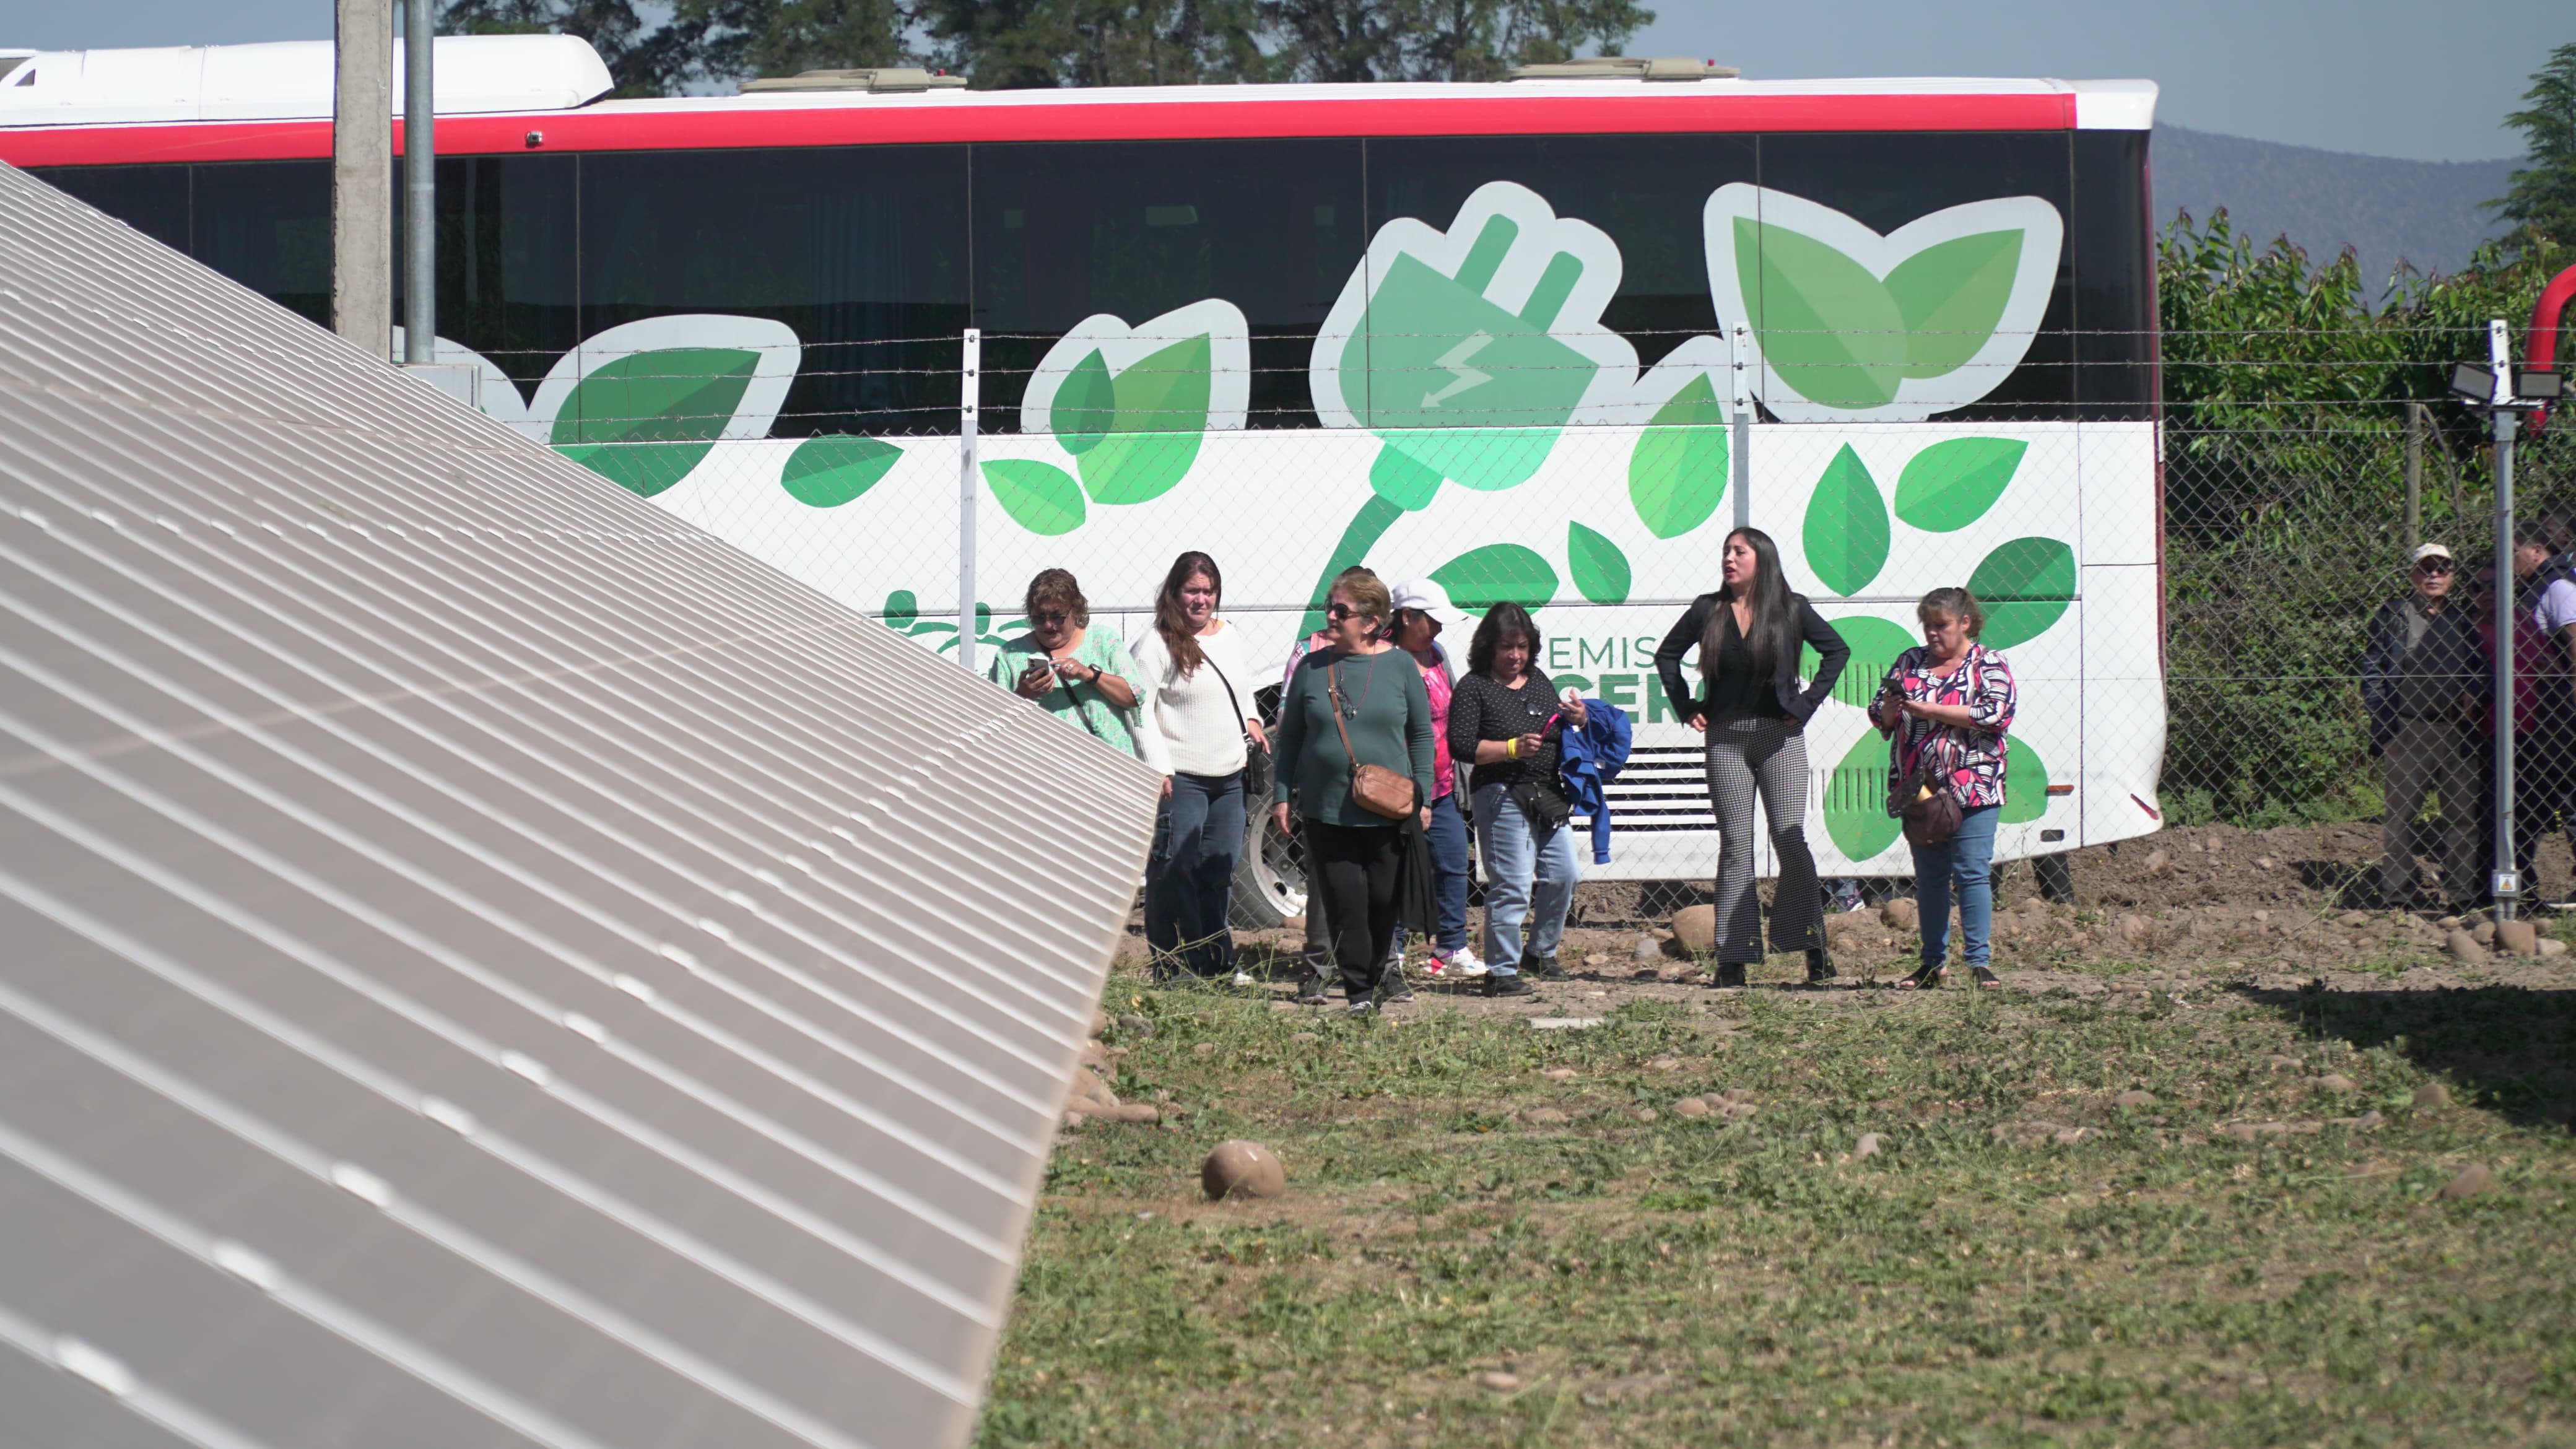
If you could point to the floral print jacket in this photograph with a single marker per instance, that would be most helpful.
(1983, 682)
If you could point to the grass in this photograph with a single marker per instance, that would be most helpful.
(1675, 1281)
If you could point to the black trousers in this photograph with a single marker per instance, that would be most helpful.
(1356, 869)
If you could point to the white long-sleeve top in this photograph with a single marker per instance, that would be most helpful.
(1187, 725)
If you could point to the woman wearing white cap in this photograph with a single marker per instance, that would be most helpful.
(1422, 609)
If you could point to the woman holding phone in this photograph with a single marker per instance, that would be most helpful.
(1754, 712)
(1946, 706)
(1195, 727)
(1358, 704)
(1067, 666)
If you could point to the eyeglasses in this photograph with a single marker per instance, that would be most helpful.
(2433, 566)
(1050, 618)
(1338, 612)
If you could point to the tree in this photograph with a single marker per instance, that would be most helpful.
(1018, 44)
(2542, 197)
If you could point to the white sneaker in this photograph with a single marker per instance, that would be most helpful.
(1464, 963)
(1243, 978)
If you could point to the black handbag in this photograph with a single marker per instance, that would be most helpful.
(1260, 772)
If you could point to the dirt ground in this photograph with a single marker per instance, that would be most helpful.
(2204, 904)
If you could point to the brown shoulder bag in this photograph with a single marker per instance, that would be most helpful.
(1379, 790)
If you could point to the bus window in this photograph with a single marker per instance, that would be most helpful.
(862, 250)
(505, 260)
(1141, 228)
(2114, 276)
(1647, 192)
(1884, 181)
(267, 225)
(151, 199)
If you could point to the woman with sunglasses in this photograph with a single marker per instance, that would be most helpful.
(1067, 666)
(1360, 702)
(2422, 678)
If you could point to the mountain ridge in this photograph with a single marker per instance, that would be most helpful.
(2384, 208)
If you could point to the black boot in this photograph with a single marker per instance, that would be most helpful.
(1820, 967)
(1730, 973)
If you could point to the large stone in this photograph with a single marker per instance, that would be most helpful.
(2158, 862)
(1134, 1025)
(2485, 931)
(1690, 1107)
(2335, 1082)
(1135, 1112)
(2464, 947)
(2432, 1095)
(1866, 1147)
(2552, 946)
(1695, 927)
(2473, 1179)
(1241, 1169)
(2517, 937)
(1649, 949)
(2134, 1099)
(1900, 913)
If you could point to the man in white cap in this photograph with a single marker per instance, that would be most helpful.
(2422, 677)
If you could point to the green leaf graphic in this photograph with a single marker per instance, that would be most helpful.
(1846, 532)
(1040, 497)
(1161, 414)
(902, 607)
(1678, 473)
(2025, 784)
(1874, 642)
(1829, 328)
(1600, 569)
(1856, 802)
(1481, 578)
(1950, 485)
(1084, 406)
(2025, 585)
(1951, 295)
(644, 420)
(831, 470)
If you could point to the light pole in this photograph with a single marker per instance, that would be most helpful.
(2504, 395)
(420, 183)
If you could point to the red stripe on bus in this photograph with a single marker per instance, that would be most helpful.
(682, 130)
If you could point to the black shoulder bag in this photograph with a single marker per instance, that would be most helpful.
(1259, 774)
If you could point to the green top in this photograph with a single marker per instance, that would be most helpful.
(1078, 705)
(1390, 726)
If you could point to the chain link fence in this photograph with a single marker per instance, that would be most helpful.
(2185, 600)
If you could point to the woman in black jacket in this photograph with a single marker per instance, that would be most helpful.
(1755, 717)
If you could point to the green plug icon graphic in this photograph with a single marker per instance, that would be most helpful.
(1468, 351)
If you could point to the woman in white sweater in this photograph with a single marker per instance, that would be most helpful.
(1195, 724)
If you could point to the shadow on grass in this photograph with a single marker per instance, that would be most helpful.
(2508, 1048)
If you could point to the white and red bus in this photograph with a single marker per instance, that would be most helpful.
(1545, 340)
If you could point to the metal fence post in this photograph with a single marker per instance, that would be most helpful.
(2507, 879)
(2415, 478)
(970, 393)
(1743, 430)
(420, 182)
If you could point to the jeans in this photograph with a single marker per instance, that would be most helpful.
(1529, 881)
(2428, 756)
(1354, 867)
(1966, 861)
(1448, 835)
(1189, 882)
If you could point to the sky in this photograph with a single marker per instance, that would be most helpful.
(2374, 76)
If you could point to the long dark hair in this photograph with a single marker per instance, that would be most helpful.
(1173, 622)
(1774, 610)
(1502, 621)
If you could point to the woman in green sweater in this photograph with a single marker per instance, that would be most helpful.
(1354, 857)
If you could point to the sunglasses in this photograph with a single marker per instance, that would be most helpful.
(2434, 566)
(1338, 612)
(1050, 618)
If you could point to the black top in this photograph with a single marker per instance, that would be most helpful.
(1786, 700)
(1480, 709)
(1737, 692)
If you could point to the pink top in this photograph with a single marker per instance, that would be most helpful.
(1444, 771)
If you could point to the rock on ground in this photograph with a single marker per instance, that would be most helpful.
(1241, 1168)
(1695, 929)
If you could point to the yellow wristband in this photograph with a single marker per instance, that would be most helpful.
(1512, 748)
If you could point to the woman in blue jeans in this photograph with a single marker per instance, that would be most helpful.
(1499, 722)
(1946, 707)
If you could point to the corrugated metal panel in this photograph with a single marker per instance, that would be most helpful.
(486, 963)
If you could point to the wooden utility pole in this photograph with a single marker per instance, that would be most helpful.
(2414, 477)
(362, 174)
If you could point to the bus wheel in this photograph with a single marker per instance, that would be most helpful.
(1269, 877)
(2056, 878)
